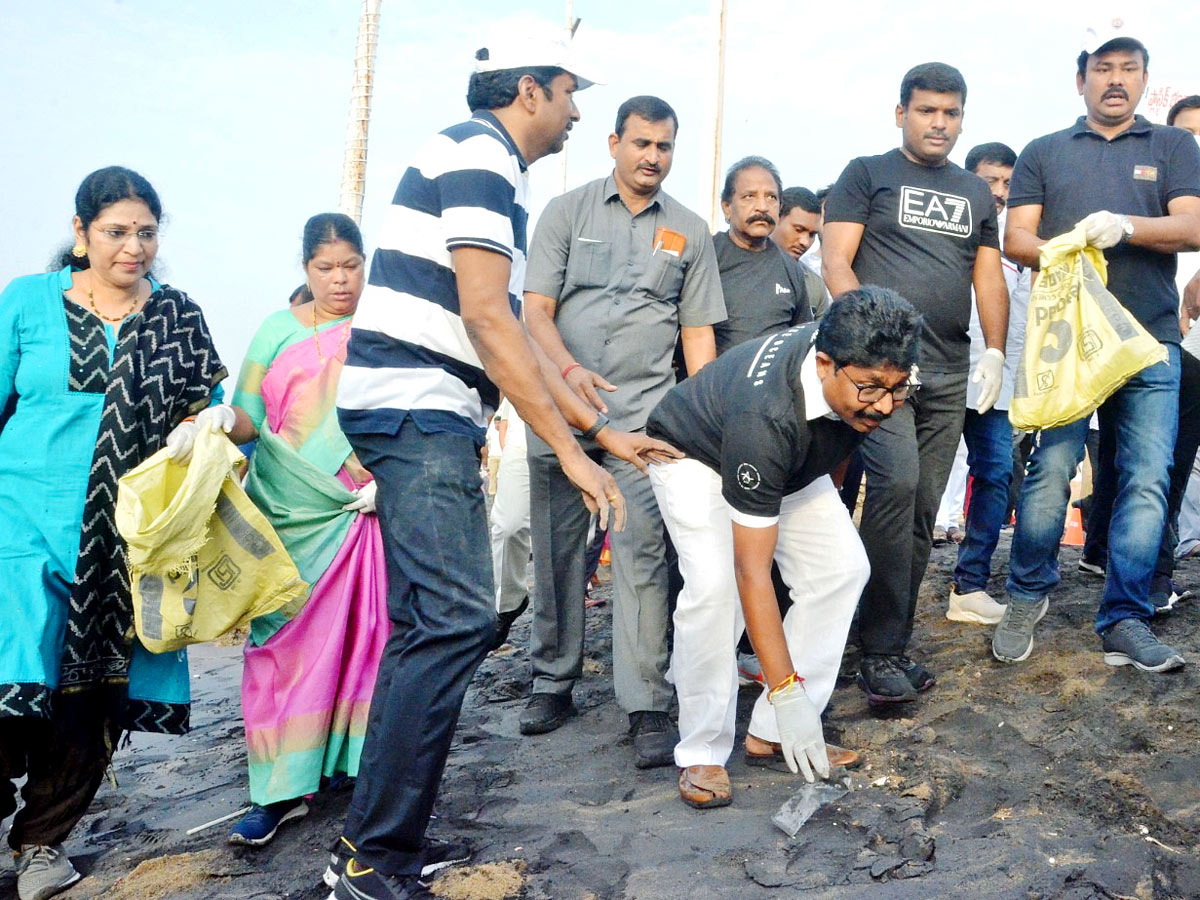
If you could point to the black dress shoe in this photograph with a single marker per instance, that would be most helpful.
(504, 623)
(654, 739)
(546, 712)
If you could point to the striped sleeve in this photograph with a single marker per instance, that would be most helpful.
(474, 183)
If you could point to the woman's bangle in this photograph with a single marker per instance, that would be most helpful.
(786, 684)
(571, 368)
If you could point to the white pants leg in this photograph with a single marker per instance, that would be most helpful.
(955, 495)
(708, 617)
(510, 528)
(1189, 513)
(823, 562)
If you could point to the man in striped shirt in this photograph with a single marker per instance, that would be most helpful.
(435, 335)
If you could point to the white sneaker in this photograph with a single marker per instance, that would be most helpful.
(975, 607)
(43, 871)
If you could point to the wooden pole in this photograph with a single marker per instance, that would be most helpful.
(572, 24)
(354, 165)
(715, 217)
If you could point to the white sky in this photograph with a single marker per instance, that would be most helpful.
(236, 109)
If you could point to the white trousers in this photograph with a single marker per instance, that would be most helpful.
(510, 527)
(823, 563)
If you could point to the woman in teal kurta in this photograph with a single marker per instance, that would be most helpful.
(99, 363)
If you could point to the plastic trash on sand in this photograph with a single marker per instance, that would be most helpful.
(806, 801)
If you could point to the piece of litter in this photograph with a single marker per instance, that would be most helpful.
(1001, 724)
(1051, 860)
(1150, 840)
(1143, 829)
(1170, 728)
(806, 801)
(880, 782)
(226, 818)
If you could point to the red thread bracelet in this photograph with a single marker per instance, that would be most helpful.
(569, 369)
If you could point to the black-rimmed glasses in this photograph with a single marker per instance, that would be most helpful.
(873, 393)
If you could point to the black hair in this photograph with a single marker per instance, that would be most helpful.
(822, 193)
(871, 326)
(996, 153)
(1192, 102)
(300, 295)
(748, 162)
(933, 76)
(652, 109)
(102, 189)
(801, 197)
(326, 228)
(1121, 43)
(496, 90)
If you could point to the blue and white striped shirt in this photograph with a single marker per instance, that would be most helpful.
(409, 354)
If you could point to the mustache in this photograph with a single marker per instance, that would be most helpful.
(1116, 92)
(873, 416)
(761, 217)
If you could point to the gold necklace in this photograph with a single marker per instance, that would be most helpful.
(120, 318)
(317, 336)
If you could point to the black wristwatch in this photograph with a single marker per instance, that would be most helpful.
(601, 421)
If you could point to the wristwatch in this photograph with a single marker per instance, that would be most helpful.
(601, 421)
(1126, 229)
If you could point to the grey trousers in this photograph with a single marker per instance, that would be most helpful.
(559, 525)
(907, 461)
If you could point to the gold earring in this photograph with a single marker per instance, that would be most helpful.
(79, 251)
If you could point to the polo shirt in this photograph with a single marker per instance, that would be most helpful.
(923, 227)
(409, 354)
(1077, 171)
(620, 304)
(764, 292)
(757, 417)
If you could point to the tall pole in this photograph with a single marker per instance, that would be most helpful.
(715, 215)
(354, 165)
(572, 24)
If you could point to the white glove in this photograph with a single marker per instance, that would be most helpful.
(366, 499)
(180, 441)
(220, 417)
(989, 375)
(1103, 230)
(800, 735)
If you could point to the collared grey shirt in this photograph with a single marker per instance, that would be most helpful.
(620, 302)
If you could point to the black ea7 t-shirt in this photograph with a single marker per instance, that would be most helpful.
(923, 229)
(746, 416)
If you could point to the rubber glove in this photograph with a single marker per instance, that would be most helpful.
(180, 441)
(220, 417)
(1103, 229)
(989, 375)
(366, 499)
(800, 735)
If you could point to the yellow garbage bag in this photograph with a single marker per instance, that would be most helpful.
(202, 558)
(1081, 344)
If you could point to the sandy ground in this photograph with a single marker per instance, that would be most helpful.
(1056, 778)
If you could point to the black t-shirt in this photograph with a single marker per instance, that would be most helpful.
(1075, 172)
(923, 229)
(764, 292)
(744, 416)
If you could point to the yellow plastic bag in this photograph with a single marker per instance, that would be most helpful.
(1081, 344)
(202, 558)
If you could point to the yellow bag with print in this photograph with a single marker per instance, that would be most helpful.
(202, 559)
(1081, 344)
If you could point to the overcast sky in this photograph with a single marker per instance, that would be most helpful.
(236, 109)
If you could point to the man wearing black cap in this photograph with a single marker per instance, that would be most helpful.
(1136, 188)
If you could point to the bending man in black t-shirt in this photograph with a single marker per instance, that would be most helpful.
(762, 427)
(913, 221)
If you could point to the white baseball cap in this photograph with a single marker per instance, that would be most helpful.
(1110, 28)
(519, 47)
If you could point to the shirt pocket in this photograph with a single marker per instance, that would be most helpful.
(590, 264)
(663, 278)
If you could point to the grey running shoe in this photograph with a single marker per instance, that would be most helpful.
(1131, 642)
(1012, 640)
(43, 871)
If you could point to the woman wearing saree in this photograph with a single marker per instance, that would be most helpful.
(309, 668)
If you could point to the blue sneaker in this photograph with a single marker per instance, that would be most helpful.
(258, 826)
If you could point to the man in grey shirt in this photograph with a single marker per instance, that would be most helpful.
(617, 272)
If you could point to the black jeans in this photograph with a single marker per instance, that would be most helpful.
(1095, 548)
(440, 601)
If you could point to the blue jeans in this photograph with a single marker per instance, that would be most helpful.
(989, 460)
(1144, 417)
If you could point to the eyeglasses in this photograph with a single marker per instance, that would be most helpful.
(873, 393)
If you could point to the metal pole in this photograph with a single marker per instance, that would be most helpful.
(715, 215)
(354, 165)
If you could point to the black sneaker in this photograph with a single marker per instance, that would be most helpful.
(338, 854)
(504, 623)
(546, 712)
(436, 854)
(654, 739)
(1131, 642)
(363, 883)
(884, 680)
(1092, 568)
(918, 676)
